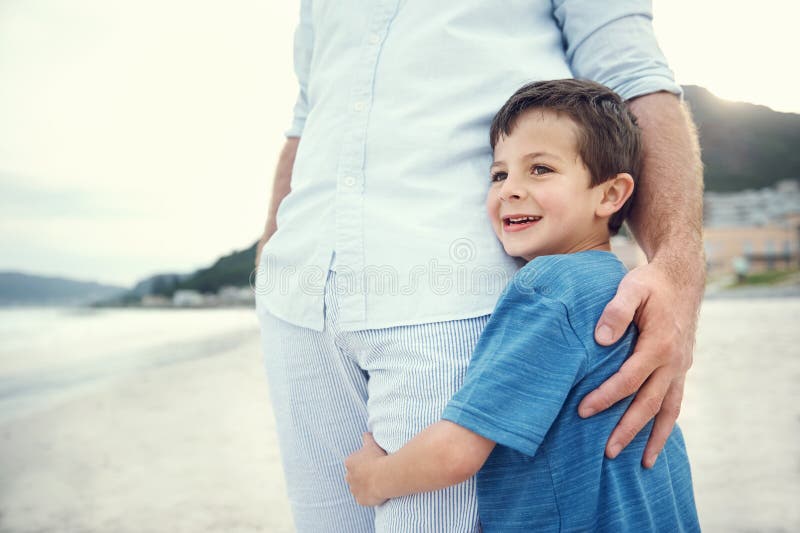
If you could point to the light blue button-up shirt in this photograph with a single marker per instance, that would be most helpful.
(391, 173)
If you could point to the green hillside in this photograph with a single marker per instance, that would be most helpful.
(232, 269)
(745, 146)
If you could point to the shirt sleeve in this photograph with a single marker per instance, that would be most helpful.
(303, 48)
(526, 361)
(613, 43)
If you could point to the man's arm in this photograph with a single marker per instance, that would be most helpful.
(441, 455)
(663, 297)
(281, 186)
(614, 43)
(303, 52)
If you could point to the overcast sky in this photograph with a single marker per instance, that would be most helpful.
(140, 136)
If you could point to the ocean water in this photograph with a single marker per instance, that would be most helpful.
(48, 355)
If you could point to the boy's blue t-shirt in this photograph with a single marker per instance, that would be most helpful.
(534, 363)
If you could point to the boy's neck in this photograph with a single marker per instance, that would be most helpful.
(603, 245)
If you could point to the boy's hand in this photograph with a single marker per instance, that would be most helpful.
(664, 304)
(360, 466)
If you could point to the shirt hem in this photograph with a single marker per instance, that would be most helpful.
(317, 325)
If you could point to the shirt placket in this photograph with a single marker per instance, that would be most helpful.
(351, 176)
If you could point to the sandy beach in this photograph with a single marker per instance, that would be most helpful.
(188, 444)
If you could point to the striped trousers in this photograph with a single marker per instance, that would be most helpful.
(329, 387)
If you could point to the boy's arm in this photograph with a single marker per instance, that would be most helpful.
(441, 455)
(518, 379)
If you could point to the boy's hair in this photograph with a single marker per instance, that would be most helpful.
(609, 140)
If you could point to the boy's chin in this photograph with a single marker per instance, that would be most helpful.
(518, 253)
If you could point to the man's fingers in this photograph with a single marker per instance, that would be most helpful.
(622, 384)
(619, 312)
(665, 421)
(644, 407)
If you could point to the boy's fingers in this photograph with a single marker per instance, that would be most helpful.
(370, 442)
(619, 312)
(665, 421)
(627, 380)
(366, 439)
(644, 407)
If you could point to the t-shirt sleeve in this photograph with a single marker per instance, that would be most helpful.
(523, 367)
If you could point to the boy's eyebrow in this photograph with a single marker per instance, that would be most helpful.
(531, 155)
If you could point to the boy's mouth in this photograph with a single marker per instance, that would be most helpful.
(519, 222)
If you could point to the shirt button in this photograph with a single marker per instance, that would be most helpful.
(374, 38)
(359, 106)
(349, 181)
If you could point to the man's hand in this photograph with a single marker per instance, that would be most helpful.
(663, 297)
(263, 240)
(359, 466)
(664, 306)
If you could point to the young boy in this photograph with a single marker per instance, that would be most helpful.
(566, 153)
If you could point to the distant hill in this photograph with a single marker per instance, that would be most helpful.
(233, 269)
(17, 288)
(745, 146)
(157, 284)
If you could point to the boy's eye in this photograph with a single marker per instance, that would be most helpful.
(498, 176)
(540, 169)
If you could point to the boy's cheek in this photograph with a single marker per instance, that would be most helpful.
(498, 231)
(491, 209)
(492, 212)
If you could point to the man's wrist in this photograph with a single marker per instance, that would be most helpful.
(687, 263)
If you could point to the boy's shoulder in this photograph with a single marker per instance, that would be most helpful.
(579, 280)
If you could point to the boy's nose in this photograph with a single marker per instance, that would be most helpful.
(510, 190)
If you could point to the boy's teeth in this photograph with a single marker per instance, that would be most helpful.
(519, 220)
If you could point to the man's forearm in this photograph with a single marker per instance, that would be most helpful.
(281, 185)
(662, 297)
(667, 217)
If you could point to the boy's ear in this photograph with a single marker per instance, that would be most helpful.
(616, 192)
